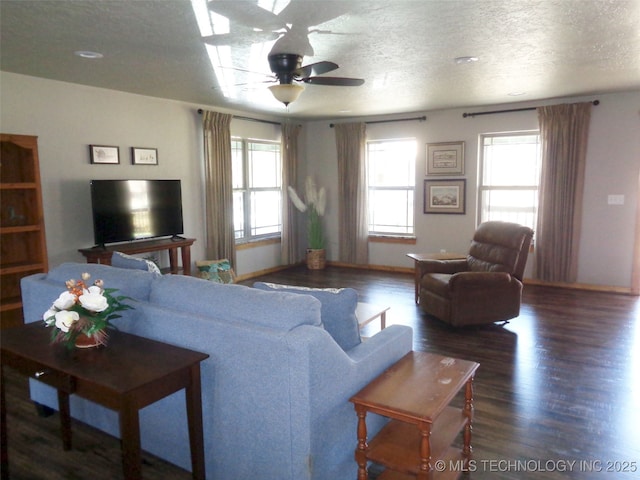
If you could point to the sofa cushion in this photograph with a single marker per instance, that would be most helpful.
(234, 302)
(338, 310)
(122, 260)
(132, 283)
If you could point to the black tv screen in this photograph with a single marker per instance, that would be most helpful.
(125, 210)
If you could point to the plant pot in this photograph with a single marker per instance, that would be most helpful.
(316, 258)
(97, 339)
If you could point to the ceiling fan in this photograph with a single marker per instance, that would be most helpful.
(288, 70)
(291, 28)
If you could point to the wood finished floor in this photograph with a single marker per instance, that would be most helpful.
(557, 393)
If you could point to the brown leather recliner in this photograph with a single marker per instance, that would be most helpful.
(485, 287)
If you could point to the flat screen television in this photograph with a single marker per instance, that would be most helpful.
(125, 210)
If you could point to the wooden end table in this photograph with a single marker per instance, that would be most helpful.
(368, 312)
(127, 375)
(420, 257)
(415, 394)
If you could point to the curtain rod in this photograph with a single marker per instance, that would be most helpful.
(465, 115)
(422, 119)
(200, 111)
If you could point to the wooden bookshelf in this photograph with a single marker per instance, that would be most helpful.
(23, 248)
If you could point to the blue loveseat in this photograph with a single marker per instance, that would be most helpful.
(275, 388)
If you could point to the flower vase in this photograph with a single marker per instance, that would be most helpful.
(95, 340)
(316, 258)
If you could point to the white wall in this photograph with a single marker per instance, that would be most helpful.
(613, 167)
(67, 118)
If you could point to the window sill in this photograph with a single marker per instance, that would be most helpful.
(257, 243)
(408, 240)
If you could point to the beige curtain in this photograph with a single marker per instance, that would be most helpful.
(290, 248)
(564, 131)
(220, 239)
(352, 193)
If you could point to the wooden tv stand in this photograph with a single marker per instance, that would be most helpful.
(102, 254)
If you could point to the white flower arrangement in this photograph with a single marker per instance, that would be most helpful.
(83, 310)
(316, 202)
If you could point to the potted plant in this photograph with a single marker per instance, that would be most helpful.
(80, 315)
(316, 202)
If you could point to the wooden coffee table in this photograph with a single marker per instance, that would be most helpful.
(415, 394)
(127, 375)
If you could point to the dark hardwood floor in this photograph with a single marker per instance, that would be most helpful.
(557, 394)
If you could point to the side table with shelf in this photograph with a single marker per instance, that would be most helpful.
(415, 394)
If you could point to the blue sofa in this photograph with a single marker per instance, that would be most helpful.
(275, 388)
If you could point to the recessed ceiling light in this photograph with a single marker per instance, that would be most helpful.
(463, 60)
(516, 94)
(88, 54)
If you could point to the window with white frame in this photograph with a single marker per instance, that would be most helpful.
(509, 177)
(257, 189)
(391, 179)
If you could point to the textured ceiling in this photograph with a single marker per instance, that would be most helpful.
(403, 49)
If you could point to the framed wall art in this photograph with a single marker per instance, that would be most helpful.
(104, 154)
(144, 156)
(445, 158)
(444, 196)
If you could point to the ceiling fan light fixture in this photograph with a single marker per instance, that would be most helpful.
(286, 93)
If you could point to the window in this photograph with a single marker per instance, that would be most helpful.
(391, 177)
(257, 188)
(510, 175)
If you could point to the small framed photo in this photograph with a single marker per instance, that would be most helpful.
(144, 156)
(446, 158)
(104, 154)
(444, 196)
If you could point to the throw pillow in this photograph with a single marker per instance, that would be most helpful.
(338, 311)
(216, 271)
(122, 260)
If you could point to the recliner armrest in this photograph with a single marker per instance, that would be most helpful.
(465, 280)
(443, 266)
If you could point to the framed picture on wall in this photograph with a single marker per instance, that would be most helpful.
(104, 154)
(444, 196)
(144, 156)
(445, 158)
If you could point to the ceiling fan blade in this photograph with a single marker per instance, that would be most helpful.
(334, 81)
(316, 69)
(257, 84)
(250, 72)
(248, 14)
